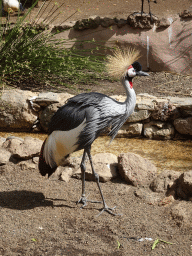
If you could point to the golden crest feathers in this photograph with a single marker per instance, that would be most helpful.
(118, 63)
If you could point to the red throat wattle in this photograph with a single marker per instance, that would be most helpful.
(131, 84)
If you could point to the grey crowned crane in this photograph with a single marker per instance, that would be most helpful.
(154, 1)
(84, 117)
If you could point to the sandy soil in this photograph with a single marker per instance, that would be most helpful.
(39, 216)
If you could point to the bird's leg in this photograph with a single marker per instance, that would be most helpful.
(150, 10)
(142, 8)
(83, 198)
(105, 207)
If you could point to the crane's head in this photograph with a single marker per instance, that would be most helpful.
(135, 69)
(123, 64)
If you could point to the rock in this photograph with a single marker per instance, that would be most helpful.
(105, 165)
(63, 97)
(120, 22)
(145, 97)
(15, 111)
(4, 156)
(73, 162)
(146, 104)
(6, 169)
(45, 99)
(185, 185)
(14, 137)
(161, 43)
(164, 23)
(138, 116)
(159, 130)
(2, 140)
(148, 196)
(182, 213)
(183, 125)
(135, 20)
(107, 22)
(46, 115)
(164, 111)
(27, 149)
(135, 169)
(166, 182)
(186, 13)
(35, 160)
(181, 103)
(28, 165)
(90, 23)
(65, 26)
(66, 173)
(167, 201)
(130, 130)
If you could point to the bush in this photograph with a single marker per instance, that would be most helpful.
(30, 50)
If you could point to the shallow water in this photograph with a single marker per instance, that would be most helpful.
(174, 155)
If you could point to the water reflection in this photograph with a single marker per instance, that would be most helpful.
(174, 155)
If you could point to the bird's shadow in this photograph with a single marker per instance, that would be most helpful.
(26, 200)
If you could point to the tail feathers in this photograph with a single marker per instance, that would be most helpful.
(45, 168)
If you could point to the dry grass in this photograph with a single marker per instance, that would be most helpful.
(118, 63)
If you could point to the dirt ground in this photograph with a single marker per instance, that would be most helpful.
(39, 216)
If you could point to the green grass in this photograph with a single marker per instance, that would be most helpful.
(30, 50)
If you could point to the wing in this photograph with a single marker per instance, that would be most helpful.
(99, 111)
(74, 111)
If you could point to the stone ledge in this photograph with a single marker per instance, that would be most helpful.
(154, 118)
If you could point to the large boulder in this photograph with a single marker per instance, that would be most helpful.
(166, 182)
(16, 113)
(130, 130)
(182, 213)
(5, 156)
(105, 165)
(136, 20)
(165, 111)
(159, 130)
(46, 115)
(183, 125)
(184, 190)
(23, 149)
(135, 169)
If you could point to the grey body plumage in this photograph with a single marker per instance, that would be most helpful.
(80, 121)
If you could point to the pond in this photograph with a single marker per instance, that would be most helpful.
(173, 155)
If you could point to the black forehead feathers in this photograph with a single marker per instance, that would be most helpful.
(137, 66)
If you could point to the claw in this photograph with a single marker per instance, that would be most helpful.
(83, 200)
(109, 210)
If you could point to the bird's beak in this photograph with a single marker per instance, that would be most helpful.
(141, 73)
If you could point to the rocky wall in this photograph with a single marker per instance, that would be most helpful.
(153, 118)
(165, 43)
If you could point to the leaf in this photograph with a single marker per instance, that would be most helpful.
(155, 243)
(33, 239)
(165, 242)
(118, 245)
(159, 241)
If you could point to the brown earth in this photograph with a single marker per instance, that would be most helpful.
(39, 216)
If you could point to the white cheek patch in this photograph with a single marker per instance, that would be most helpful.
(131, 72)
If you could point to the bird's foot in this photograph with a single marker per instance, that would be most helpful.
(109, 210)
(83, 200)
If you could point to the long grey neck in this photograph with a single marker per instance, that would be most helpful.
(131, 96)
(130, 92)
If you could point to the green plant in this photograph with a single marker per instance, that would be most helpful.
(30, 50)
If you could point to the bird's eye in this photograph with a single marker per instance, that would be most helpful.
(131, 72)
